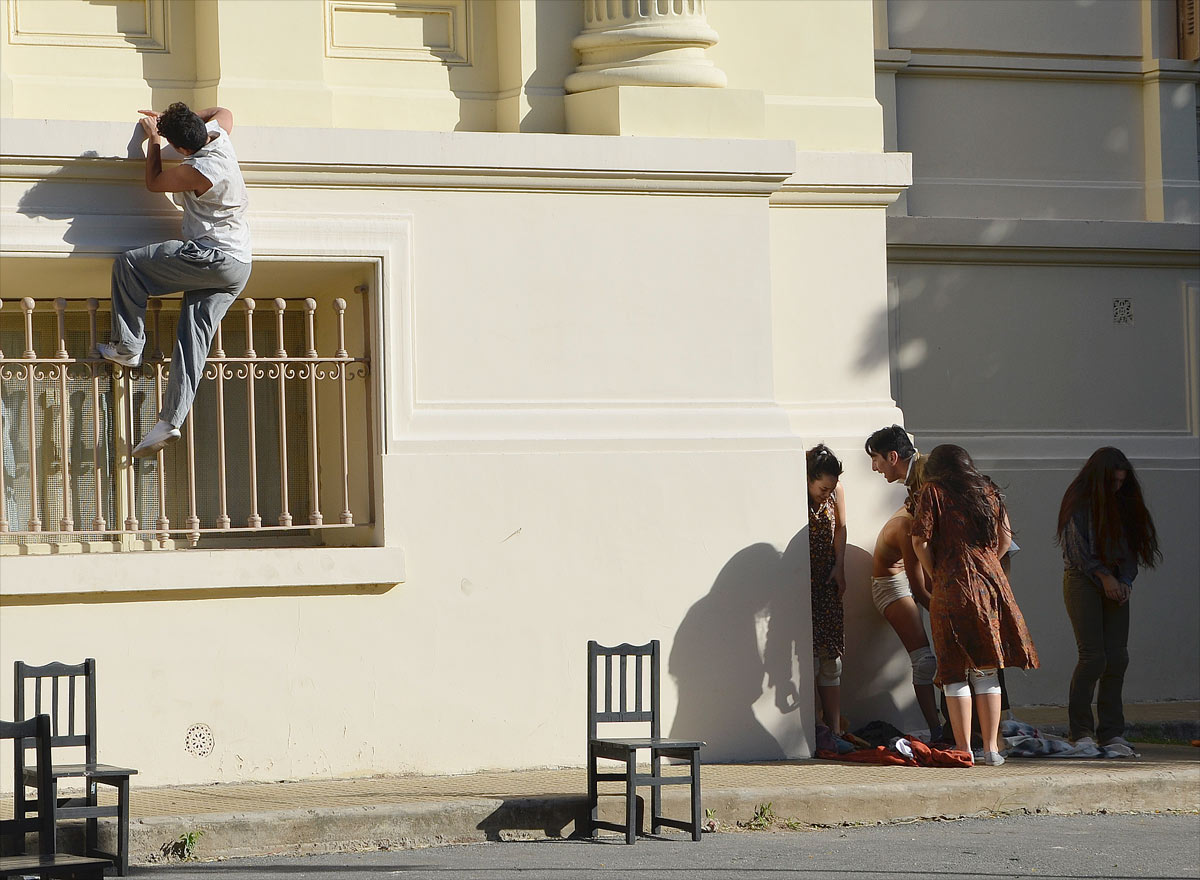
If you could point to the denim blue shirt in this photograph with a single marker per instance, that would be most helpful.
(1079, 552)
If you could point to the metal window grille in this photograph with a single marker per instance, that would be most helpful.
(271, 446)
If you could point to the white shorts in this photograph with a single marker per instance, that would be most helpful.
(886, 590)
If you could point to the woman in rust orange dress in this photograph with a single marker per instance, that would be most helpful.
(960, 532)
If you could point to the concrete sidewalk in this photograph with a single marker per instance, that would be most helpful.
(393, 812)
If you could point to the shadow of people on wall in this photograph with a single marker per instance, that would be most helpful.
(788, 640)
(717, 659)
(742, 657)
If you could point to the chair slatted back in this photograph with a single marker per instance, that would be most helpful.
(51, 683)
(37, 731)
(632, 704)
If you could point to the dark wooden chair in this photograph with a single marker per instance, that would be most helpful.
(641, 707)
(80, 681)
(46, 863)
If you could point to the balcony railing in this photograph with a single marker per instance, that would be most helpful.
(267, 448)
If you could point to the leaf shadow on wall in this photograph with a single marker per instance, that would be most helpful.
(716, 660)
(931, 309)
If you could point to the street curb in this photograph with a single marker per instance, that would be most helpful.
(351, 829)
(469, 820)
(893, 802)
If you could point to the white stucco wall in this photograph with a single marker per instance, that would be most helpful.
(580, 437)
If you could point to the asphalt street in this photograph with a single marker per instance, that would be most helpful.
(1112, 847)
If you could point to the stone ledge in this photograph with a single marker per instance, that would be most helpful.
(29, 577)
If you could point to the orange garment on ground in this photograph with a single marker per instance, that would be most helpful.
(923, 756)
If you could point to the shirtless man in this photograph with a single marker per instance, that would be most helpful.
(897, 585)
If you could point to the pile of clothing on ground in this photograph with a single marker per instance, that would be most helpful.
(881, 743)
(1026, 741)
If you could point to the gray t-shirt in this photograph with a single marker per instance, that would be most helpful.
(217, 219)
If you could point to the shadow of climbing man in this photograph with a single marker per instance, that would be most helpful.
(98, 204)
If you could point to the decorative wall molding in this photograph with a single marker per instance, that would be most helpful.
(384, 240)
(1008, 241)
(816, 196)
(1083, 68)
(221, 571)
(385, 30)
(38, 23)
(441, 178)
(1191, 329)
(460, 161)
(586, 426)
(851, 180)
(1113, 200)
(1063, 450)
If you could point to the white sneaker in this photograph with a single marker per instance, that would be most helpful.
(993, 759)
(1117, 741)
(1085, 741)
(110, 352)
(159, 436)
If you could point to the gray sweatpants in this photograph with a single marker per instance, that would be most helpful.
(210, 282)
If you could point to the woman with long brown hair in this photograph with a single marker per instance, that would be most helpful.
(1105, 531)
(960, 531)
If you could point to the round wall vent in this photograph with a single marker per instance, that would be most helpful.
(199, 740)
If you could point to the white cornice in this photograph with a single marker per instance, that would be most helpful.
(99, 151)
(845, 180)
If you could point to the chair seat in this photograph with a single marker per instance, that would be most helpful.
(88, 771)
(648, 742)
(49, 866)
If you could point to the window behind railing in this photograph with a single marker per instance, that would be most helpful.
(276, 444)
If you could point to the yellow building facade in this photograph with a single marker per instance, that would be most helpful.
(585, 278)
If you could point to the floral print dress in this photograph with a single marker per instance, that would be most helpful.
(973, 615)
(827, 614)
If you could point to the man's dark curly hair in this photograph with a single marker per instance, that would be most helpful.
(890, 439)
(183, 128)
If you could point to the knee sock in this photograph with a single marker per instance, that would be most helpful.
(985, 681)
(924, 665)
(829, 671)
(982, 681)
(957, 689)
